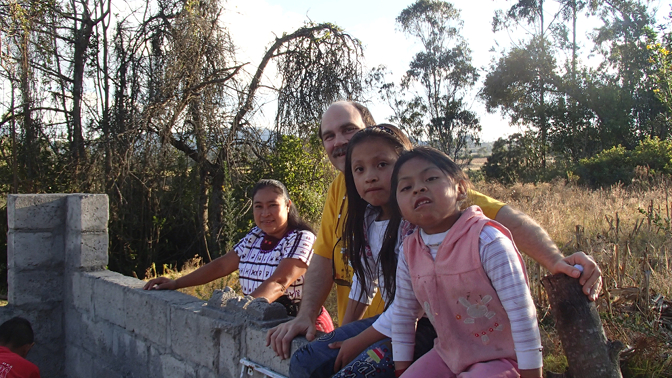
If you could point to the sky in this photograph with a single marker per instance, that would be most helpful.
(255, 23)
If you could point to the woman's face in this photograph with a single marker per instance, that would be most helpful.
(270, 211)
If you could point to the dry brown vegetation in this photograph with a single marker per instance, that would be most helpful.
(626, 230)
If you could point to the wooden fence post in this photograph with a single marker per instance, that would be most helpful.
(589, 353)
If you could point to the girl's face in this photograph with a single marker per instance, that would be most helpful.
(427, 197)
(270, 211)
(372, 163)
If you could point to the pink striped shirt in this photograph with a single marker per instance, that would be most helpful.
(500, 263)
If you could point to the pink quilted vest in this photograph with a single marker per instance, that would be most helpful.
(457, 296)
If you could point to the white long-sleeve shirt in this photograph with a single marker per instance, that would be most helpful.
(375, 233)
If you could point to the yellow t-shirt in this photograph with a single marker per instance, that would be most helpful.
(328, 243)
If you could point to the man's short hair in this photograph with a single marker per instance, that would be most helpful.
(16, 332)
(364, 112)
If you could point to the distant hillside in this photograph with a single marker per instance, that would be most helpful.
(484, 150)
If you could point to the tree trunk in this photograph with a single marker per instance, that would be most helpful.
(82, 39)
(30, 143)
(215, 210)
(589, 353)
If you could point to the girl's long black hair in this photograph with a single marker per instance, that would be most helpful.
(353, 235)
(445, 164)
(294, 220)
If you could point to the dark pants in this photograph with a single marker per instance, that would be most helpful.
(316, 359)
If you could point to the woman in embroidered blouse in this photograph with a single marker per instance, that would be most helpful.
(272, 258)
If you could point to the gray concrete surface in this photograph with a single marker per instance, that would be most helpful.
(91, 322)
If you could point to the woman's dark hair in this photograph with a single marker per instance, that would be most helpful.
(353, 235)
(294, 220)
(445, 164)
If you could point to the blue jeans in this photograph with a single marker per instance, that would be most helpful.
(316, 359)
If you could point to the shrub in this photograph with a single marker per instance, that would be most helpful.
(618, 164)
(515, 159)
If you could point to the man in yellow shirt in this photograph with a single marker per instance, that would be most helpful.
(339, 123)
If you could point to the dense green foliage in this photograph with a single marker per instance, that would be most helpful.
(157, 112)
(572, 110)
(619, 165)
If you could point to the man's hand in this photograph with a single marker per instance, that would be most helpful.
(280, 337)
(160, 283)
(590, 279)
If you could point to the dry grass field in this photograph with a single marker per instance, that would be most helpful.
(627, 231)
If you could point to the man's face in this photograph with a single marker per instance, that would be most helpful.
(339, 123)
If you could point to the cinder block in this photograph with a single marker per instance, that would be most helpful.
(128, 283)
(34, 287)
(131, 351)
(109, 370)
(79, 362)
(35, 250)
(148, 315)
(207, 373)
(194, 337)
(48, 326)
(109, 302)
(8, 312)
(97, 335)
(50, 358)
(257, 351)
(73, 327)
(171, 367)
(86, 250)
(230, 346)
(35, 211)
(260, 310)
(80, 291)
(87, 212)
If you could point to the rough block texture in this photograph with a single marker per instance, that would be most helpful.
(87, 212)
(34, 287)
(35, 211)
(90, 322)
(87, 251)
(38, 250)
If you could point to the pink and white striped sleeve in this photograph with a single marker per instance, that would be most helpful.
(405, 313)
(502, 265)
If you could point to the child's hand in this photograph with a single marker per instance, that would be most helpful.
(350, 349)
(531, 373)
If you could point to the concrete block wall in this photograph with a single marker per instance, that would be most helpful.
(91, 322)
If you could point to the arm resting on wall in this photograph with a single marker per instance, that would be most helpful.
(316, 288)
(288, 271)
(217, 268)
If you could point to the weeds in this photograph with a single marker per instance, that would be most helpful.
(625, 229)
(203, 292)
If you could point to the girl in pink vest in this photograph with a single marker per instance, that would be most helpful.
(463, 272)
